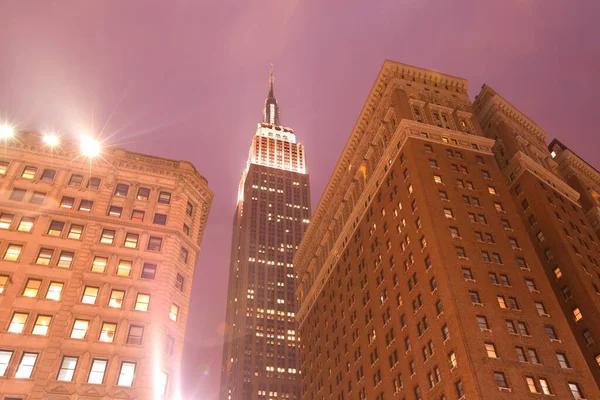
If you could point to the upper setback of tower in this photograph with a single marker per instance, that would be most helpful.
(398, 101)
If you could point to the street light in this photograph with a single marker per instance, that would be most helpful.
(90, 146)
(7, 131)
(51, 139)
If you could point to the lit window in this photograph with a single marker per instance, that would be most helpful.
(577, 314)
(37, 197)
(142, 302)
(452, 360)
(160, 219)
(86, 205)
(80, 327)
(545, 386)
(491, 190)
(143, 193)
(3, 167)
(5, 357)
(93, 183)
(137, 215)
(67, 369)
(164, 197)
(107, 333)
(75, 180)
(25, 368)
(576, 391)
(124, 268)
(13, 251)
(3, 283)
(189, 209)
(65, 259)
(99, 264)
(42, 324)
(135, 335)
(490, 349)
(32, 287)
(29, 172)
(557, 273)
(531, 384)
(448, 213)
(116, 298)
(67, 202)
(6, 220)
(90, 294)
(437, 179)
(126, 374)
(17, 194)
(55, 228)
(121, 190)
(108, 236)
(54, 291)
(131, 240)
(97, 369)
(154, 243)
(115, 211)
(75, 232)
(174, 312)
(26, 224)
(17, 323)
(48, 175)
(44, 256)
(148, 271)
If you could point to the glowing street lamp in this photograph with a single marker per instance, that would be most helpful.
(51, 139)
(90, 146)
(6, 131)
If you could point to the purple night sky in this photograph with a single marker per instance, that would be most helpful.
(187, 79)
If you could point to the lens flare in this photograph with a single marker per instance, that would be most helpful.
(90, 146)
(7, 131)
(51, 139)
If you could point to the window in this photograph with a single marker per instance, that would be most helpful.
(454, 232)
(500, 379)
(75, 180)
(189, 209)
(148, 270)
(48, 175)
(26, 224)
(6, 220)
(501, 301)
(437, 179)
(75, 232)
(179, 282)
(545, 386)
(576, 391)
(492, 190)
(164, 197)
(42, 324)
(97, 369)
(55, 228)
(90, 294)
(174, 312)
(482, 322)
(3, 283)
(577, 314)
(541, 309)
(115, 211)
(154, 243)
(135, 335)
(25, 368)
(531, 384)
(550, 332)
(44, 256)
(137, 215)
(65, 259)
(533, 356)
(13, 252)
(108, 236)
(126, 374)
(131, 240)
(160, 219)
(32, 288)
(121, 190)
(54, 291)
(116, 298)
(562, 360)
(3, 167)
(142, 302)
(37, 197)
(124, 268)
(523, 330)
(520, 354)
(17, 194)
(67, 369)
(460, 252)
(531, 285)
(80, 328)
(99, 264)
(183, 253)
(17, 323)
(67, 202)
(143, 193)
(490, 349)
(474, 296)
(5, 357)
(86, 205)
(448, 213)
(29, 172)
(107, 332)
(93, 183)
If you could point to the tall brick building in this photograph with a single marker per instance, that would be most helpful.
(260, 354)
(418, 276)
(96, 265)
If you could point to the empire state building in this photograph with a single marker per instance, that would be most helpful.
(261, 350)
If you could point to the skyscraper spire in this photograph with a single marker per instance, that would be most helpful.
(271, 113)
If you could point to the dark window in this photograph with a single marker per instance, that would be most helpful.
(143, 193)
(154, 243)
(164, 197)
(48, 175)
(148, 270)
(121, 190)
(160, 219)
